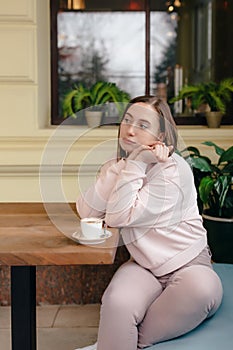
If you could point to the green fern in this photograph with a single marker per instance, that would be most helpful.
(215, 95)
(101, 92)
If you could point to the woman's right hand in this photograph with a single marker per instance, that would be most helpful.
(151, 154)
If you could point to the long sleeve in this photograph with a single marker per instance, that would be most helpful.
(94, 201)
(155, 207)
(144, 200)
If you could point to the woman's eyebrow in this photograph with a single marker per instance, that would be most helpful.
(145, 121)
(140, 119)
(127, 113)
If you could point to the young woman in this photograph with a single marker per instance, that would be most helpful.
(168, 287)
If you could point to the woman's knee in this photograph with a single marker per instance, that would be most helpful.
(114, 302)
(204, 286)
(119, 291)
(118, 296)
(132, 293)
(113, 297)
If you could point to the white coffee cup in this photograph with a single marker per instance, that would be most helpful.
(91, 227)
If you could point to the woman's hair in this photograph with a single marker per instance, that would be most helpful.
(167, 123)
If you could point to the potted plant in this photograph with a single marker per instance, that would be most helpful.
(92, 100)
(214, 96)
(215, 189)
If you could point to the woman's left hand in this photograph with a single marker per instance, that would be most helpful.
(161, 151)
(158, 152)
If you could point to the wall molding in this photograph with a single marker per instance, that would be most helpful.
(48, 170)
(18, 11)
(18, 60)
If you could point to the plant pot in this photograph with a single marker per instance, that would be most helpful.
(220, 238)
(213, 119)
(93, 118)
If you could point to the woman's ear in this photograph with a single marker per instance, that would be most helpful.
(161, 136)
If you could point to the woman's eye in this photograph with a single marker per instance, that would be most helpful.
(126, 120)
(143, 126)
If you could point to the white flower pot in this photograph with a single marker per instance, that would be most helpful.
(93, 118)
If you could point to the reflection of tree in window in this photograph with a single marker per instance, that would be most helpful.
(82, 57)
(164, 72)
(109, 46)
(93, 65)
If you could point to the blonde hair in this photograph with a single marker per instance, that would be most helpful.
(167, 123)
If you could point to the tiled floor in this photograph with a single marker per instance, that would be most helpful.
(59, 327)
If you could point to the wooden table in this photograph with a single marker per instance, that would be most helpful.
(29, 237)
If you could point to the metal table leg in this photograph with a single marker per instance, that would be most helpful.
(23, 307)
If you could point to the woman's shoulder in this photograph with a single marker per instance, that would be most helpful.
(183, 169)
(180, 161)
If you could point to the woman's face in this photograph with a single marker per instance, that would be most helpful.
(140, 126)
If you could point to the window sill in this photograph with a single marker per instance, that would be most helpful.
(199, 120)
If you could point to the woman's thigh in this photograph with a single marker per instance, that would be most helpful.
(132, 289)
(192, 294)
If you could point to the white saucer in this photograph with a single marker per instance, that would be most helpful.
(78, 237)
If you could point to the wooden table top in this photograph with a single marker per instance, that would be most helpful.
(31, 235)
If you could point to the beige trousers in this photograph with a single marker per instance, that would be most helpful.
(139, 309)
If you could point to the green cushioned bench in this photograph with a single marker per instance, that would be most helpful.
(215, 333)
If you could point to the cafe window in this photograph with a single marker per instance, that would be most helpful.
(135, 44)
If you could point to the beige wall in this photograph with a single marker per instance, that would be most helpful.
(67, 156)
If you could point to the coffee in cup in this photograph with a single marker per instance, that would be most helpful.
(91, 227)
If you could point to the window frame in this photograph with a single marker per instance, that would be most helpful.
(57, 120)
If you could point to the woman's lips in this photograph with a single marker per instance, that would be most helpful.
(129, 142)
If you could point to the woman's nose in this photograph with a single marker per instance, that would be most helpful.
(131, 129)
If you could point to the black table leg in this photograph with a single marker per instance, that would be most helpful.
(23, 307)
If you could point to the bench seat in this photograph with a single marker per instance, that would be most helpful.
(215, 333)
